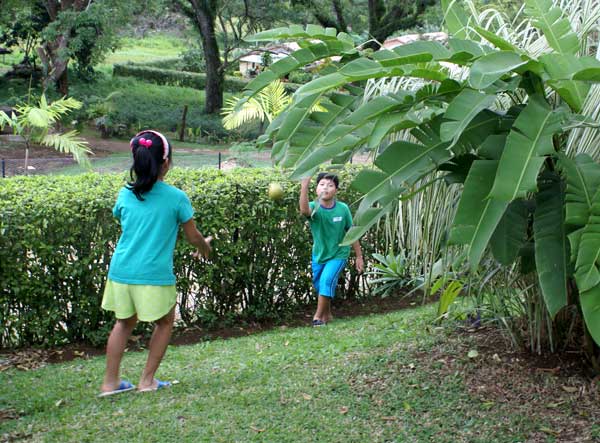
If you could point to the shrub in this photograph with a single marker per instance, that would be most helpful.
(192, 60)
(58, 235)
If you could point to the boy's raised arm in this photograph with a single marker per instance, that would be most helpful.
(304, 207)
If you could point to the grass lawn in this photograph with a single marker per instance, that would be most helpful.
(150, 48)
(381, 378)
(121, 162)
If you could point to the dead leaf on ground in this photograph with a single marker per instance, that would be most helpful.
(306, 396)
(389, 418)
(8, 414)
(344, 410)
(550, 431)
(255, 429)
(569, 389)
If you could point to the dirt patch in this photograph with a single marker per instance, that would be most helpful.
(557, 393)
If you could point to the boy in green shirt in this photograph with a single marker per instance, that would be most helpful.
(329, 221)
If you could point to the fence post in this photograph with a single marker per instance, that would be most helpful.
(219, 159)
(3, 168)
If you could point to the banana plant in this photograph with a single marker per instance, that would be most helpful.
(520, 194)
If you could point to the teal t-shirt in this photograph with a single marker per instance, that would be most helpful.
(144, 253)
(328, 227)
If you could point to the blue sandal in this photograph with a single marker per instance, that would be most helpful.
(159, 385)
(319, 323)
(124, 386)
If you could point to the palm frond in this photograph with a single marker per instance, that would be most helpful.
(234, 118)
(69, 143)
(266, 105)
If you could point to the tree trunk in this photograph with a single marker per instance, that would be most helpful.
(55, 66)
(204, 19)
(402, 15)
(339, 13)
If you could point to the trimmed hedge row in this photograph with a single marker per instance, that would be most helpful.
(58, 235)
(181, 78)
(174, 78)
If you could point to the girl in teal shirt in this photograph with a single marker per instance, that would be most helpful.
(141, 283)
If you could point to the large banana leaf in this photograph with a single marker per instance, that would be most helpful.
(590, 305)
(551, 247)
(561, 69)
(298, 132)
(298, 32)
(587, 266)
(415, 52)
(309, 54)
(496, 40)
(464, 108)
(527, 145)
(400, 165)
(477, 215)
(489, 68)
(510, 234)
(556, 28)
(456, 19)
(583, 180)
(583, 208)
(464, 51)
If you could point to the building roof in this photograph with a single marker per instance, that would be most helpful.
(277, 51)
(393, 42)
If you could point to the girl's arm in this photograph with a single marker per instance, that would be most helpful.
(304, 207)
(196, 238)
(360, 264)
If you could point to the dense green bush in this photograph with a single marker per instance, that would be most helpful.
(58, 235)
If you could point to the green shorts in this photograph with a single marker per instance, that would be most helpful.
(148, 302)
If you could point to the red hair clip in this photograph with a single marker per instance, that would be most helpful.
(145, 142)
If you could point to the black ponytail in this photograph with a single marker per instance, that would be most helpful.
(147, 163)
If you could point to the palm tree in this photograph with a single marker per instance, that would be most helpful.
(265, 106)
(36, 124)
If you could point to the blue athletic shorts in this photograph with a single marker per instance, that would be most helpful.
(326, 275)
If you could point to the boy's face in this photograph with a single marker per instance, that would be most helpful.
(326, 189)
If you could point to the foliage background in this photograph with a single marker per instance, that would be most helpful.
(58, 235)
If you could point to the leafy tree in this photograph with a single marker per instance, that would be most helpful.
(223, 27)
(385, 18)
(80, 29)
(36, 124)
(22, 27)
(335, 13)
(487, 115)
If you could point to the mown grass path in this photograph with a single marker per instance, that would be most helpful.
(381, 378)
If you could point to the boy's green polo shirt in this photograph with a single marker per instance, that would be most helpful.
(328, 227)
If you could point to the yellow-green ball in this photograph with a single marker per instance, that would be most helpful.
(275, 191)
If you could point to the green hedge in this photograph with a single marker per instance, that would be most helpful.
(181, 78)
(174, 78)
(58, 235)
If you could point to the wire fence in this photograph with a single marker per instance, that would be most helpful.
(120, 163)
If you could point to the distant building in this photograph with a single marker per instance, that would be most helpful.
(392, 42)
(252, 63)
